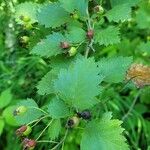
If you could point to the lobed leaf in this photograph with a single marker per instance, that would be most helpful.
(79, 85)
(114, 69)
(58, 109)
(107, 36)
(104, 134)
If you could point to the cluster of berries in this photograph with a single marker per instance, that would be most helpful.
(24, 131)
(74, 121)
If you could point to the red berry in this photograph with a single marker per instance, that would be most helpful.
(64, 45)
(23, 130)
(90, 34)
(29, 144)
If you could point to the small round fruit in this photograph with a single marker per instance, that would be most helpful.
(20, 110)
(25, 18)
(28, 26)
(24, 39)
(20, 131)
(73, 122)
(75, 16)
(86, 114)
(90, 34)
(72, 51)
(99, 9)
(64, 45)
(27, 131)
(29, 144)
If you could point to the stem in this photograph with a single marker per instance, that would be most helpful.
(46, 141)
(44, 130)
(38, 120)
(39, 110)
(61, 142)
(132, 106)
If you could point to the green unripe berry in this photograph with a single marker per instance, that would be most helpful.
(27, 131)
(24, 39)
(75, 16)
(20, 110)
(73, 122)
(72, 51)
(25, 18)
(99, 9)
(28, 26)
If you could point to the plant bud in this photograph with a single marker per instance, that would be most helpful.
(64, 45)
(20, 110)
(72, 51)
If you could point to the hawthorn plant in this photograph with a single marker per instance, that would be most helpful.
(75, 32)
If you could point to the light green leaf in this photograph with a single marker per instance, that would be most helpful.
(58, 109)
(107, 36)
(114, 69)
(120, 2)
(5, 98)
(2, 124)
(31, 114)
(54, 129)
(53, 15)
(74, 5)
(45, 86)
(8, 116)
(76, 35)
(79, 85)
(119, 13)
(28, 9)
(145, 47)
(104, 134)
(49, 46)
(142, 15)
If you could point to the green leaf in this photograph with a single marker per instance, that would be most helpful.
(5, 98)
(119, 13)
(145, 47)
(45, 86)
(28, 9)
(58, 109)
(114, 69)
(2, 124)
(31, 114)
(49, 46)
(76, 35)
(79, 85)
(119, 2)
(107, 36)
(8, 116)
(53, 15)
(142, 16)
(104, 134)
(54, 129)
(74, 5)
